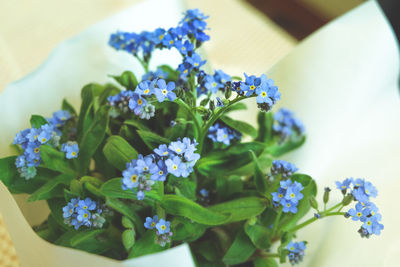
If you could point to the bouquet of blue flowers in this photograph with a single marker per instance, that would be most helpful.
(148, 164)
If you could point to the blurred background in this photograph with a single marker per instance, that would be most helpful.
(30, 30)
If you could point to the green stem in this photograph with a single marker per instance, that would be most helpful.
(215, 117)
(276, 222)
(160, 211)
(297, 227)
(144, 64)
(197, 127)
(269, 255)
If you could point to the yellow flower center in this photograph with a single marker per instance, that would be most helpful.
(161, 36)
(146, 91)
(145, 168)
(164, 93)
(140, 101)
(44, 140)
(178, 150)
(73, 153)
(175, 167)
(84, 207)
(225, 136)
(263, 94)
(165, 153)
(134, 178)
(288, 205)
(160, 172)
(369, 223)
(163, 227)
(185, 71)
(196, 64)
(292, 195)
(252, 87)
(359, 214)
(36, 150)
(280, 195)
(214, 84)
(171, 42)
(85, 215)
(153, 224)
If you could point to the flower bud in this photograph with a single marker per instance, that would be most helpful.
(326, 194)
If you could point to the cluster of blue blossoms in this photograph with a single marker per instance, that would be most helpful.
(139, 101)
(288, 195)
(186, 37)
(70, 149)
(286, 124)
(296, 251)
(266, 92)
(32, 139)
(163, 229)
(178, 159)
(365, 211)
(283, 168)
(221, 133)
(212, 83)
(83, 212)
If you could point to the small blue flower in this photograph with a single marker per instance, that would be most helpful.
(296, 251)
(137, 103)
(163, 226)
(159, 172)
(87, 204)
(195, 61)
(184, 48)
(345, 184)
(151, 222)
(84, 216)
(130, 178)
(144, 164)
(204, 193)
(360, 213)
(177, 147)
(175, 166)
(223, 134)
(140, 195)
(145, 88)
(221, 77)
(250, 85)
(165, 90)
(162, 151)
(288, 206)
(211, 84)
(286, 125)
(59, 118)
(284, 168)
(71, 150)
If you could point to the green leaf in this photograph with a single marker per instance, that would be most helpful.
(128, 238)
(181, 206)
(126, 210)
(240, 251)
(88, 94)
(240, 126)
(227, 186)
(52, 188)
(265, 262)
(237, 106)
(55, 160)
(241, 208)
(119, 152)
(259, 235)
(186, 230)
(152, 140)
(8, 171)
(259, 177)
(228, 161)
(113, 188)
(76, 188)
(56, 205)
(265, 122)
(146, 245)
(84, 235)
(94, 190)
(68, 107)
(278, 150)
(92, 138)
(127, 223)
(137, 124)
(127, 79)
(37, 121)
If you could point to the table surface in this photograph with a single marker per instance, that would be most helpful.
(30, 30)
